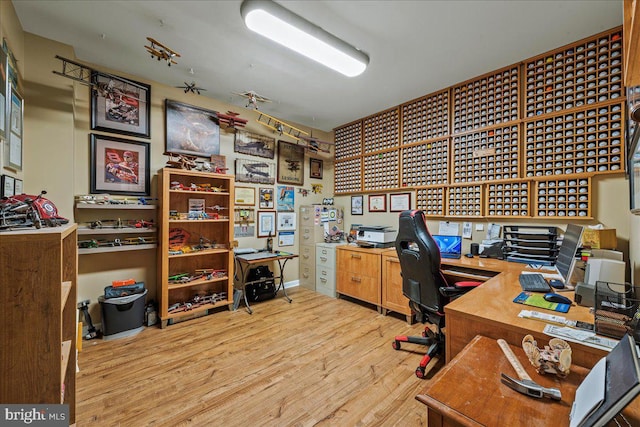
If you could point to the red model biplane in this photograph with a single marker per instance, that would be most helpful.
(231, 119)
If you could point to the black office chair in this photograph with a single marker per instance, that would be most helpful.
(424, 284)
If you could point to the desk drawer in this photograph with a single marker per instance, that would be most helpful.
(326, 281)
(364, 264)
(326, 257)
(308, 276)
(359, 286)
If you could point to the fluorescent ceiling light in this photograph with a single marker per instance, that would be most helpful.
(273, 21)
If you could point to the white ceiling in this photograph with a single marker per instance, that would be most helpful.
(415, 47)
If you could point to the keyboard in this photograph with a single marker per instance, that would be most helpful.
(534, 282)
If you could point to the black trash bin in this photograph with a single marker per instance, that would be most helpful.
(122, 316)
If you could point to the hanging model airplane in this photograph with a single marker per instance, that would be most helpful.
(279, 126)
(253, 98)
(231, 119)
(191, 87)
(117, 89)
(161, 52)
(315, 145)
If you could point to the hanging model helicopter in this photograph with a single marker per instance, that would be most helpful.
(253, 98)
(191, 87)
(161, 52)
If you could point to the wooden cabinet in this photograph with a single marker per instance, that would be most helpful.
(392, 297)
(358, 273)
(115, 227)
(195, 258)
(38, 272)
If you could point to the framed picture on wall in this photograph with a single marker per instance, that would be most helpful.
(378, 203)
(120, 105)
(266, 223)
(3, 93)
(14, 131)
(191, 130)
(357, 205)
(119, 166)
(266, 198)
(399, 202)
(290, 163)
(7, 186)
(245, 196)
(315, 168)
(254, 144)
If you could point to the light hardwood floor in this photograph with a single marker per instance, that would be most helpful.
(316, 361)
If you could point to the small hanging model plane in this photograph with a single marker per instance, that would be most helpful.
(279, 126)
(117, 89)
(191, 87)
(161, 52)
(231, 119)
(315, 145)
(253, 98)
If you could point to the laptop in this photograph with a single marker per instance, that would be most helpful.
(450, 246)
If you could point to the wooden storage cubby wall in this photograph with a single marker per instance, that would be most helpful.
(556, 118)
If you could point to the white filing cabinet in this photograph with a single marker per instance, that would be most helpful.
(326, 268)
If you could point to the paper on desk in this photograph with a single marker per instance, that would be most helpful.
(580, 336)
(447, 228)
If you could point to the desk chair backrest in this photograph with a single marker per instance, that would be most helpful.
(419, 258)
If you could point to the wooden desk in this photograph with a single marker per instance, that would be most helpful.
(468, 392)
(251, 259)
(489, 310)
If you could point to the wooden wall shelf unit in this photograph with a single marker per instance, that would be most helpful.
(631, 26)
(214, 233)
(38, 272)
(123, 228)
(555, 118)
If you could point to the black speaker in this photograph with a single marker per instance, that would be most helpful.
(475, 249)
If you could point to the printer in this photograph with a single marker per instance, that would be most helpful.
(608, 267)
(376, 236)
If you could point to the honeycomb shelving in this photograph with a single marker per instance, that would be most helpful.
(381, 131)
(381, 170)
(563, 198)
(425, 163)
(348, 140)
(509, 199)
(582, 141)
(486, 101)
(431, 200)
(465, 201)
(348, 176)
(486, 155)
(580, 74)
(425, 118)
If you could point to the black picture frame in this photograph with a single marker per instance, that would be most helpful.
(191, 130)
(399, 202)
(357, 205)
(315, 168)
(120, 105)
(15, 113)
(111, 172)
(7, 186)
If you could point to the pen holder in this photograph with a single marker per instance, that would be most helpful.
(617, 309)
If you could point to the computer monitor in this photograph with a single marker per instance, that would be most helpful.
(450, 246)
(566, 260)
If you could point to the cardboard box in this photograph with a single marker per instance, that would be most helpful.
(599, 239)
